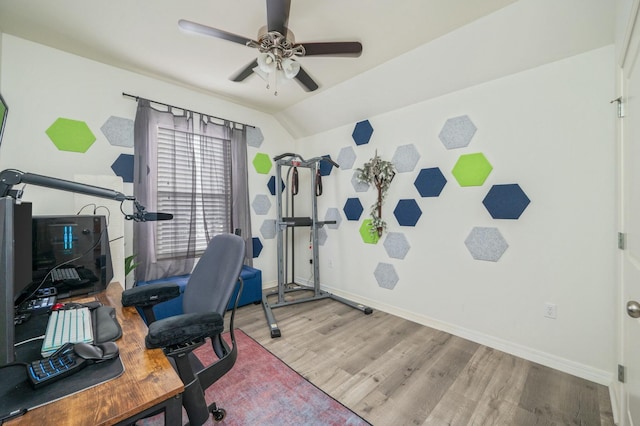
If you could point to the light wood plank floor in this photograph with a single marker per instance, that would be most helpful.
(391, 371)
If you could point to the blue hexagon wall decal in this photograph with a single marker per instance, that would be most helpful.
(272, 185)
(362, 132)
(353, 209)
(257, 246)
(123, 167)
(430, 182)
(407, 212)
(506, 201)
(325, 166)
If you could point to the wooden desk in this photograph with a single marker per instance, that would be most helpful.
(149, 382)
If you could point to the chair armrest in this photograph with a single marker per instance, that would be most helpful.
(184, 328)
(149, 295)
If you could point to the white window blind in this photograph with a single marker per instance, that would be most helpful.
(194, 184)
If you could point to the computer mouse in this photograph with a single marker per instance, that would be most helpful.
(57, 306)
(96, 353)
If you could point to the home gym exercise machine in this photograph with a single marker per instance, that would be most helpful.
(285, 226)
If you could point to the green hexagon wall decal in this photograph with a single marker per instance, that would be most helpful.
(262, 163)
(71, 135)
(472, 169)
(367, 235)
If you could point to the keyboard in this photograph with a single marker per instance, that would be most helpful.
(62, 363)
(67, 326)
(61, 274)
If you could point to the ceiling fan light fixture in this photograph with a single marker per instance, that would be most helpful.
(290, 68)
(267, 62)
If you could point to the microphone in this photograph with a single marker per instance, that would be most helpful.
(150, 217)
(142, 215)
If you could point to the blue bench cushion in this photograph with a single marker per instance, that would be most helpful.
(251, 293)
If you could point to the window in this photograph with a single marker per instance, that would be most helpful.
(194, 184)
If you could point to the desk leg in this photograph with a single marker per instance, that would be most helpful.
(173, 411)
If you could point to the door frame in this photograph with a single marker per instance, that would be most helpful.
(627, 49)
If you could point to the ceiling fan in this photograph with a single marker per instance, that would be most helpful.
(277, 46)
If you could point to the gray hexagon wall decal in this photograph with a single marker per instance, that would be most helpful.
(353, 209)
(362, 132)
(118, 131)
(123, 167)
(254, 137)
(261, 204)
(257, 246)
(430, 182)
(322, 236)
(268, 229)
(506, 201)
(405, 158)
(457, 132)
(357, 184)
(333, 214)
(346, 158)
(486, 244)
(386, 275)
(407, 212)
(396, 245)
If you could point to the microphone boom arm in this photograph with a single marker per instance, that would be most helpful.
(11, 177)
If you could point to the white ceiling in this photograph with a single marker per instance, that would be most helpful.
(415, 41)
(143, 36)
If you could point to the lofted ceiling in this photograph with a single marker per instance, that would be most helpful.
(143, 36)
(412, 49)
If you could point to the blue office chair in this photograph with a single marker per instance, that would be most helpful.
(205, 300)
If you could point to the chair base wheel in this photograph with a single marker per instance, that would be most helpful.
(219, 414)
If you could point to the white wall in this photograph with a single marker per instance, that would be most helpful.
(41, 84)
(550, 130)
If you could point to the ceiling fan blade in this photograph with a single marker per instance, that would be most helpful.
(278, 15)
(213, 32)
(337, 48)
(306, 81)
(245, 72)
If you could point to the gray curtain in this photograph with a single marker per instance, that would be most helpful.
(146, 124)
(240, 209)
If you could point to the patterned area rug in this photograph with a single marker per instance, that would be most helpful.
(262, 390)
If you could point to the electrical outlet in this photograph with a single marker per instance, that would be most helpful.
(550, 310)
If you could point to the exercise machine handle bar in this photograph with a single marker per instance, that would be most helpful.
(312, 160)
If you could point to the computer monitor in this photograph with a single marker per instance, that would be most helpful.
(4, 111)
(77, 242)
(15, 267)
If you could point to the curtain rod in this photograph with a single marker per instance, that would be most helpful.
(184, 109)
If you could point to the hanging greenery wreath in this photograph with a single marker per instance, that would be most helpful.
(380, 173)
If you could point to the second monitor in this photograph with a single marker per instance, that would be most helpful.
(71, 253)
